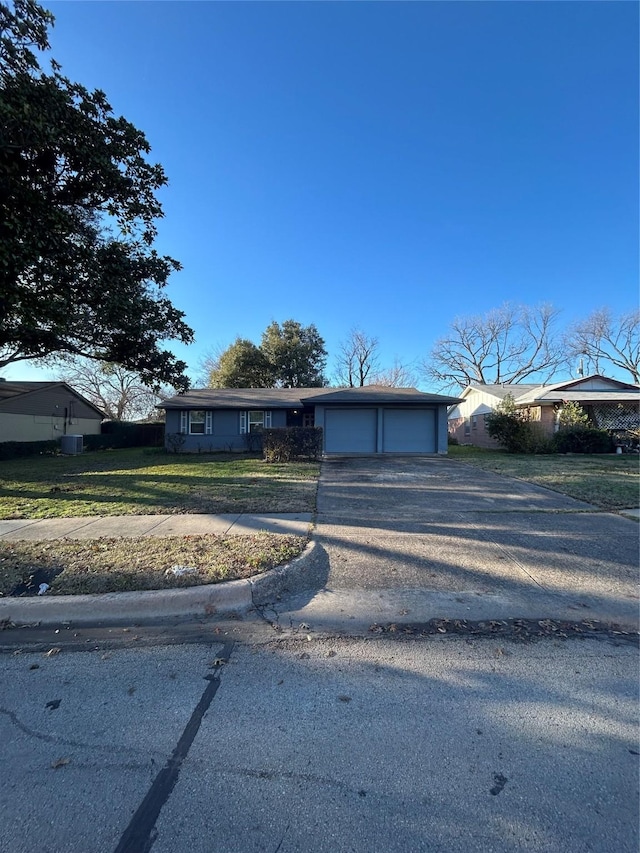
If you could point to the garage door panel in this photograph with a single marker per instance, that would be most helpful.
(350, 430)
(409, 431)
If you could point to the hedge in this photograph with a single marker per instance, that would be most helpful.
(135, 435)
(580, 439)
(285, 444)
(115, 434)
(17, 449)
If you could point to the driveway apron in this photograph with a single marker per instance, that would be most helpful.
(417, 538)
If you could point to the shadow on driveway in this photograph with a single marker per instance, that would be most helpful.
(406, 532)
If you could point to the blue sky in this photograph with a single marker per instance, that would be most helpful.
(382, 165)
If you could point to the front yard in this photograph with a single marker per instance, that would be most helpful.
(71, 567)
(147, 482)
(607, 481)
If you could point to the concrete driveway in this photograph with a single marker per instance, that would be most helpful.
(412, 539)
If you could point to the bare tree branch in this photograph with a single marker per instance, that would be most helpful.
(508, 344)
(607, 342)
(119, 393)
(397, 376)
(358, 357)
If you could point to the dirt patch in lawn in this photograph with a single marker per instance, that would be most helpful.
(73, 567)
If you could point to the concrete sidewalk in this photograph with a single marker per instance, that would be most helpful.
(394, 541)
(129, 526)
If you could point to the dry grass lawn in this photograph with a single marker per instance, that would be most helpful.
(608, 481)
(72, 567)
(137, 481)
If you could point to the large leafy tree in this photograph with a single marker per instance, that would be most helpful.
(297, 353)
(510, 344)
(242, 365)
(78, 211)
(609, 342)
(289, 356)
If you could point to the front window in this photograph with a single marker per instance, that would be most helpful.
(256, 421)
(196, 423)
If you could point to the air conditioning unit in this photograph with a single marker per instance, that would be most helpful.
(71, 444)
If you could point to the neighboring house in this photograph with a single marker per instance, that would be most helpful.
(369, 420)
(610, 405)
(41, 411)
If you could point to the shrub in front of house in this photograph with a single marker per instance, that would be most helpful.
(515, 431)
(285, 444)
(583, 439)
(18, 449)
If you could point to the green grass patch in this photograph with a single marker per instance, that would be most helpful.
(608, 481)
(73, 567)
(137, 481)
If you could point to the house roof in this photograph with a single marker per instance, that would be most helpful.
(570, 389)
(273, 398)
(376, 394)
(11, 390)
(14, 389)
(501, 391)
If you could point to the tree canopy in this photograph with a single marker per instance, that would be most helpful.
(357, 359)
(242, 365)
(78, 211)
(117, 392)
(289, 356)
(508, 344)
(608, 341)
(297, 353)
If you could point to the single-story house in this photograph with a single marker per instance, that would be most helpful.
(42, 411)
(369, 420)
(609, 403)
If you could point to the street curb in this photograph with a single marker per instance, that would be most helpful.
(125, 607)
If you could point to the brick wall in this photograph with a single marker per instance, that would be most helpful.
(472, 430)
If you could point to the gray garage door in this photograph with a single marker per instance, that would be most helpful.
(409, 431)
(350, 430)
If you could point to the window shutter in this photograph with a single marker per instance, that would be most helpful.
(243, 422)
(208, 423)
(267, 420)
(183, 421)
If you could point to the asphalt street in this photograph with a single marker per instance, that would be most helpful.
(455, 670)
(330, 744)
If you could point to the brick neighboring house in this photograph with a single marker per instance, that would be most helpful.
(609, 403)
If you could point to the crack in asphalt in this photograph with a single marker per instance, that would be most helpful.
(17, 722)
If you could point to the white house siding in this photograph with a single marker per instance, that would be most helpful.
(43, 427)
(467, 420)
